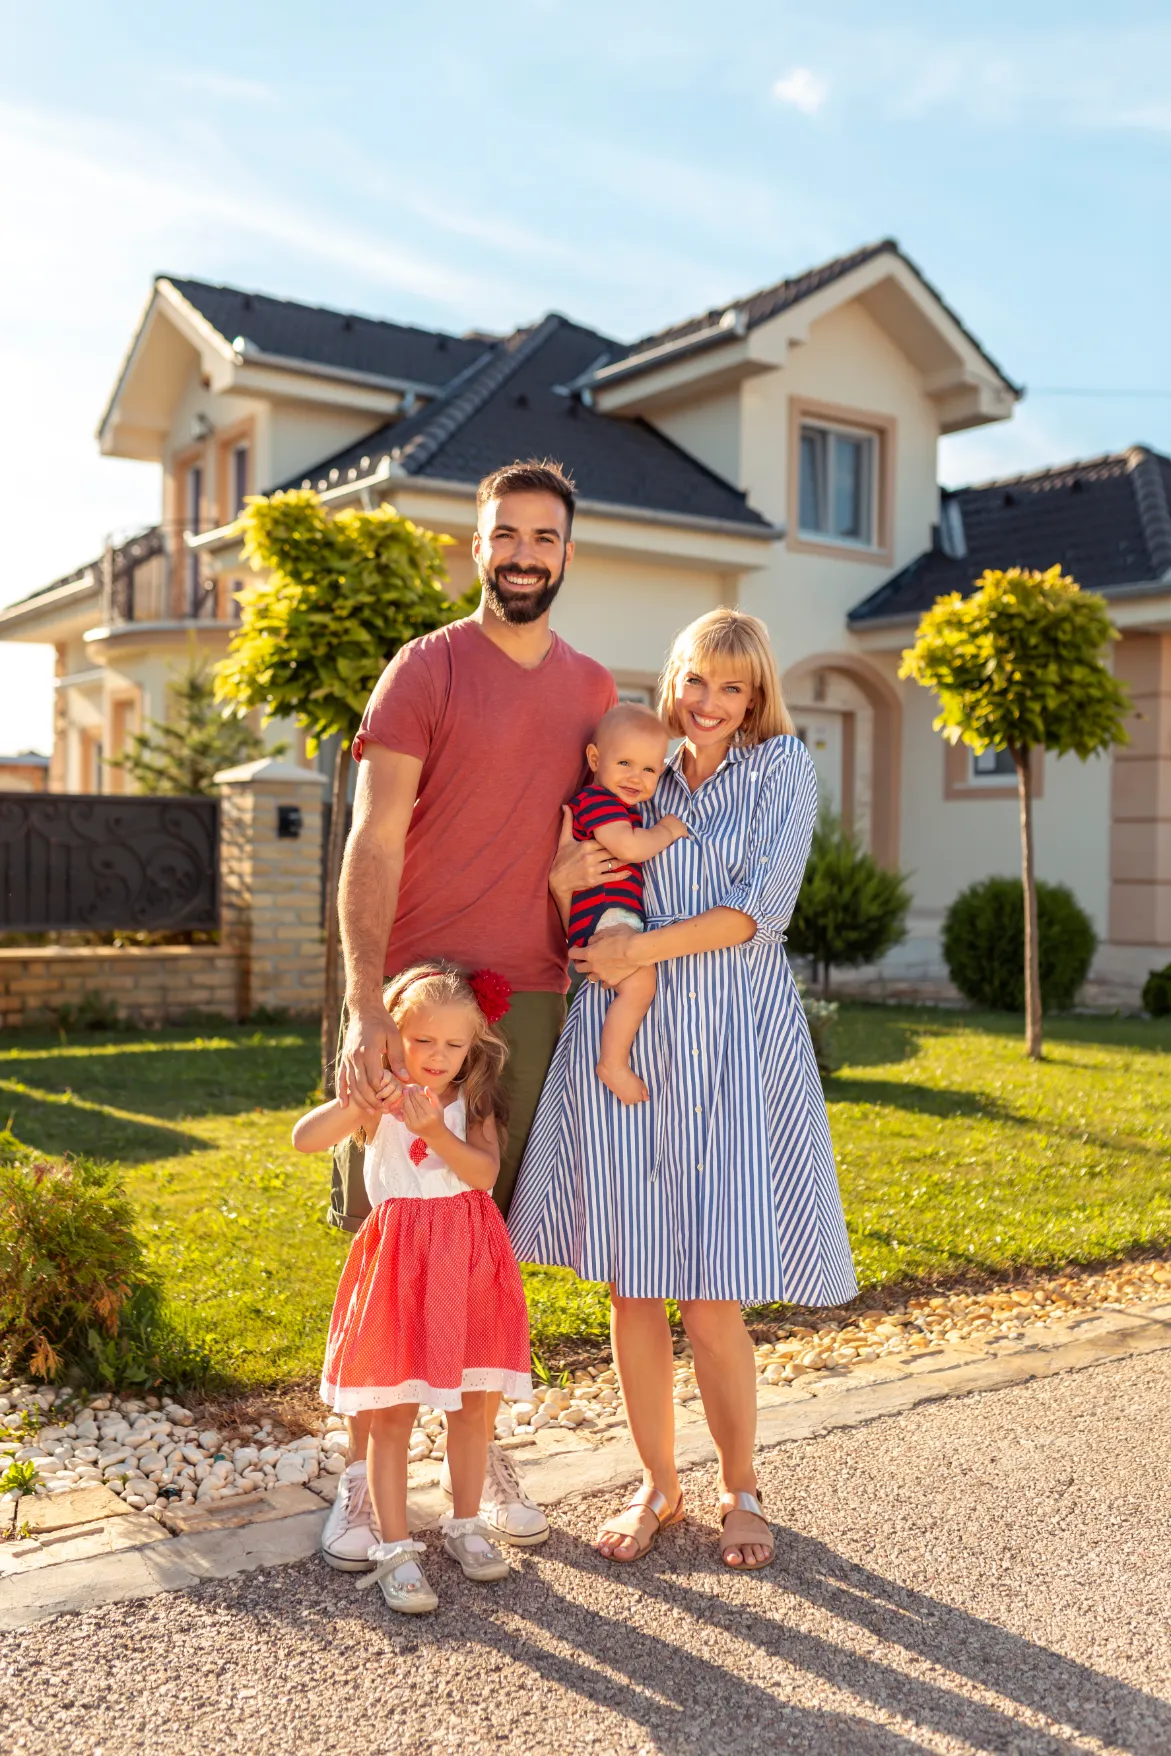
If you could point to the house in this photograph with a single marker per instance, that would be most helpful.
(779, 454)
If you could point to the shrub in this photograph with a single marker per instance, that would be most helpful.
(984, 938)
(851, 910)
(821, 1016)
(75, 1293)
(1157, 992)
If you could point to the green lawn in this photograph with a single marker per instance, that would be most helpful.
(956, 1155)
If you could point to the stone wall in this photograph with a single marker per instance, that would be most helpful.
(156, 984)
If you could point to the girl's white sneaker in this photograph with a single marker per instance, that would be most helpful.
(466, 1541)
(351, 1526)
(400, 1579)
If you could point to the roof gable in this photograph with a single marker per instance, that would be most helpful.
(1105, 521)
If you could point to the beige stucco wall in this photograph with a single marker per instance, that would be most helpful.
(625, 613)
(709, 429)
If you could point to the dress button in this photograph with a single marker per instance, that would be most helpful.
(699, 1109)
(699, 1167)
(695, 887)
(695, 1051)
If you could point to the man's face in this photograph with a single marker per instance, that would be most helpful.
(521, 553)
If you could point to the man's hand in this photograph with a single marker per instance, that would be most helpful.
(371, 1045)
(579, 865)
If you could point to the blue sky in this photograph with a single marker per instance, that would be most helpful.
(627, 164)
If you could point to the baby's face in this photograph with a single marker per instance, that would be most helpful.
(628, 762)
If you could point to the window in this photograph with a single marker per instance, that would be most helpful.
(993, 765)
(239, 479)
(836, 484)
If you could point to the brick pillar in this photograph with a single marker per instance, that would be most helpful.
(1140, 797)
(272, 884)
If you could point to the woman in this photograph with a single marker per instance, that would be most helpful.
(720, 1191)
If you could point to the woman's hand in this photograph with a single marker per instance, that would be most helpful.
(579, 865)
(608, 956)
(422, 1112)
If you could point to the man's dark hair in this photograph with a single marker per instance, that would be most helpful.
(543, 475)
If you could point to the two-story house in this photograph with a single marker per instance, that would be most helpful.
(779, 454)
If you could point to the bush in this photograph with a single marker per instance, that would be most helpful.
(75, 1294)
(1157, 992)
(984, 944)
(821, 1016)
(851, 910)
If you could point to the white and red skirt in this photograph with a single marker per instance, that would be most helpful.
(430, 1304)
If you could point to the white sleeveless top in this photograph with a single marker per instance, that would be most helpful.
(390, 1171)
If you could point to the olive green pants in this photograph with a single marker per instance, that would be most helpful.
(531, 1025)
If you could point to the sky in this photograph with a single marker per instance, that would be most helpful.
(627, 164)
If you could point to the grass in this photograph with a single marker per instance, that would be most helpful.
(956, 1156)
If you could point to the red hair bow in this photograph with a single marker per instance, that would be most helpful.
(493, 993)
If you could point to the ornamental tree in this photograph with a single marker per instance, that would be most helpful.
(337, 597)
(184, 753)
(1018, 666)
(851, 910)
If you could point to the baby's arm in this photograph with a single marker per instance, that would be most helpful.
(330, 1123)
(475, 1161)
(635, 845)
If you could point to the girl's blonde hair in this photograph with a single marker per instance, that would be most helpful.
(726, 639)
(438, 983)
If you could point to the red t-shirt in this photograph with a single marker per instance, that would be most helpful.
(502, 748)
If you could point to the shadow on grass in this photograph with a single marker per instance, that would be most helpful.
(57, 1126)
(138, 1071)
(924, 1100)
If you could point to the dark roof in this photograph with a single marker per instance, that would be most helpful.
(515, 404)
(1106, 522)
(341, 339)
(768, 302)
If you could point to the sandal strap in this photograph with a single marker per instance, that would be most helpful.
(741, 1502)
(648, 1496)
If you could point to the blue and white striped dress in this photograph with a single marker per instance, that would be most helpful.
(723, 1185)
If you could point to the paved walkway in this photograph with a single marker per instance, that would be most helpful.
(985, 1574)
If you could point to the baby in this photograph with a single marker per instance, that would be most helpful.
(626, 760)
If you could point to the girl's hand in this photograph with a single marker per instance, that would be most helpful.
(422, 1112)
(389, 1096)
(607, 958)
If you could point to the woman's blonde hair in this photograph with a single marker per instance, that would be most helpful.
(438, 983)
(724, 639)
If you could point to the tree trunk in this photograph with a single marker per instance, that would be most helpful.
(825, 973)
(1024, 776)
(331, 1004)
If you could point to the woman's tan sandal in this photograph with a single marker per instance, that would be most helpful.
(730, 1504)
(627, 1523)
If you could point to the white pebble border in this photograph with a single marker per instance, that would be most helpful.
(148, 1450)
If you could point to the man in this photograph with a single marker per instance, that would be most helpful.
(471, 744)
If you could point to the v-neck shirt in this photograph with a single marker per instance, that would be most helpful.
(502, 748)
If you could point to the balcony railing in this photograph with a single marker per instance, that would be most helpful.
(155, 577)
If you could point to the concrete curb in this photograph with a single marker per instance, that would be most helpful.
(188, 1560)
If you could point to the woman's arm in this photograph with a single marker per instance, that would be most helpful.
(475, 1161)
(329, 1124)
(617, 954)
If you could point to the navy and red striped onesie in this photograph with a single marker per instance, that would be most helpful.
(591, 808)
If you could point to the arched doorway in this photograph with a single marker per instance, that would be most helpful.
(850, 717)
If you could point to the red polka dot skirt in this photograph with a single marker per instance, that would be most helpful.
(430, 1304)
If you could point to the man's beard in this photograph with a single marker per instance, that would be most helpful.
(519, 607)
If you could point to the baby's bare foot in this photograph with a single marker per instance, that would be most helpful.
(624, 1083)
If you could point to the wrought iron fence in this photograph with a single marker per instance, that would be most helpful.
(84, 862)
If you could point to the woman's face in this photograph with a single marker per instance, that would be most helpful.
(711, 704)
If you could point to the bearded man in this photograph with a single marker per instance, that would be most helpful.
(471, 744)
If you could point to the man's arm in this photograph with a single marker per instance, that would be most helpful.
(388, 784)
(626, 842)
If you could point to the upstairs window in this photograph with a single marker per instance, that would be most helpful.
(994, 766)
(836, 488)
(239, 486)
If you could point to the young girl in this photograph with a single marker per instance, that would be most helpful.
(430, 1307)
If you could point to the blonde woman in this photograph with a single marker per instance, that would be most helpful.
(721, 1190)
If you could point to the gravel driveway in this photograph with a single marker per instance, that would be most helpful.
(987, 1574)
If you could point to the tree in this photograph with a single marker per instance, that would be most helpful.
(183, 754)
(1018, 666)
(338, 597)
(851, 910)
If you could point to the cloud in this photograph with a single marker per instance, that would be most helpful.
(226, 87)
(803, 89)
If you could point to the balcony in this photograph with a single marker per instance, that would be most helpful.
(154, 578)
